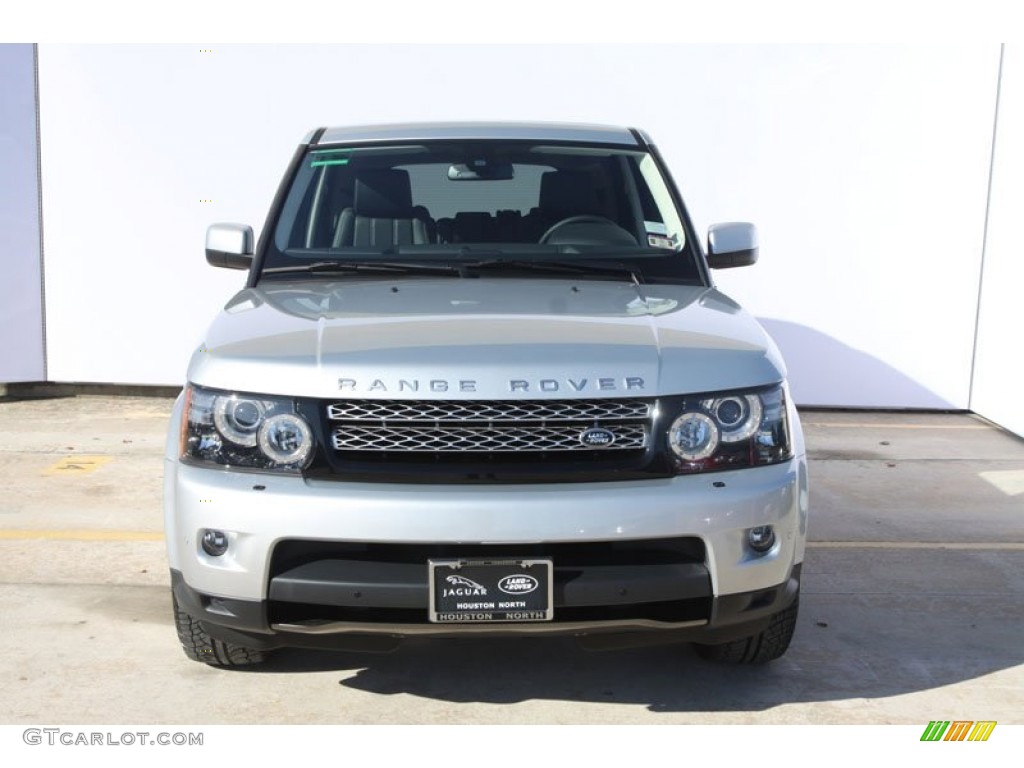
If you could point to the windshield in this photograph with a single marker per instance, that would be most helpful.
(474, 207)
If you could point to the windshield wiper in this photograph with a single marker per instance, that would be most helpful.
(602, 267)
(392, 267)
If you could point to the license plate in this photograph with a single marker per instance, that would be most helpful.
(471, 591)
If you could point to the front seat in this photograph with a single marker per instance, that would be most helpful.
(382, 213)
(563, 194)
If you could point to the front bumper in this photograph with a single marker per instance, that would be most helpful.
(247, 623)
(715, 589)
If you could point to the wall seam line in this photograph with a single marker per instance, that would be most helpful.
(39, 210)
(984, 235)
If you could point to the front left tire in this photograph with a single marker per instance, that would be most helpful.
(761, 648)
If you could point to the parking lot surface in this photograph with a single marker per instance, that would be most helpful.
(911, 607)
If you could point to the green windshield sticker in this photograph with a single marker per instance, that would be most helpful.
(331, 157)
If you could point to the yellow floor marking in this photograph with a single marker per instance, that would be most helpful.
(865, 425)
(77, 465)
(81, 535)
(1009, 481)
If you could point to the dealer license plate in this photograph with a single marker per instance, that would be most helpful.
(470, 591)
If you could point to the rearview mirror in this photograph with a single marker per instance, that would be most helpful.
(229, 246)
(481, 170)
(732, 244)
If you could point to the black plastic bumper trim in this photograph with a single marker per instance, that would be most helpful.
(353, 583)
(361, 584)
(245, 622)
(218, 612)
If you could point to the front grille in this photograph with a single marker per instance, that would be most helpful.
(488, 441)
(489, 426)
(487, 411)
(482, 439)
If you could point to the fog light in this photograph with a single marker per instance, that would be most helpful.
(215, 543)
(762, 538)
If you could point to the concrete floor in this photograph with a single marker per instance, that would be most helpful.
(911, 607)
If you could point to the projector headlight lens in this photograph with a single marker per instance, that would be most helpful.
(693, 436)
(286, 439)
(739, 416)
(238, 419)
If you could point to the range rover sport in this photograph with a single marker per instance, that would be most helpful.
(479, 381)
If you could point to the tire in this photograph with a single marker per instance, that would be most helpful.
(199, 646)
(760, 648)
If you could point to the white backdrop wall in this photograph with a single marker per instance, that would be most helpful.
(999, 360)
(865, 167)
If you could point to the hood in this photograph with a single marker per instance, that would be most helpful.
(483, 339)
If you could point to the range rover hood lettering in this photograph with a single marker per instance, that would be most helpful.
(483, 339)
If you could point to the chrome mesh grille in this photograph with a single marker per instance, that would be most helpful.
(487, 411)
(486, 439)
(502, 426)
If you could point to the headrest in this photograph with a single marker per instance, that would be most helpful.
(568, 192)
(384, 193)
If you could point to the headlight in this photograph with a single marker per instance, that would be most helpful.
(242, 430)
(738, 416)
(730, 430)
(693, 436)
(286, 439)
(238, 418)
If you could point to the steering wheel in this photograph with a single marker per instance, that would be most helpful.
(583, 219)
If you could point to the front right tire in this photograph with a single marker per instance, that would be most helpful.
(198, 645)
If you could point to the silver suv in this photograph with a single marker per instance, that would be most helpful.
(480, 382)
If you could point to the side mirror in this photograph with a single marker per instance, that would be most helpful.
(229, 246)
(733, 244)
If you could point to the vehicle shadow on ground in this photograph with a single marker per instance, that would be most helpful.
(859, 645)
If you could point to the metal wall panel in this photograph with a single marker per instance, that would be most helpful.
(22, 354)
